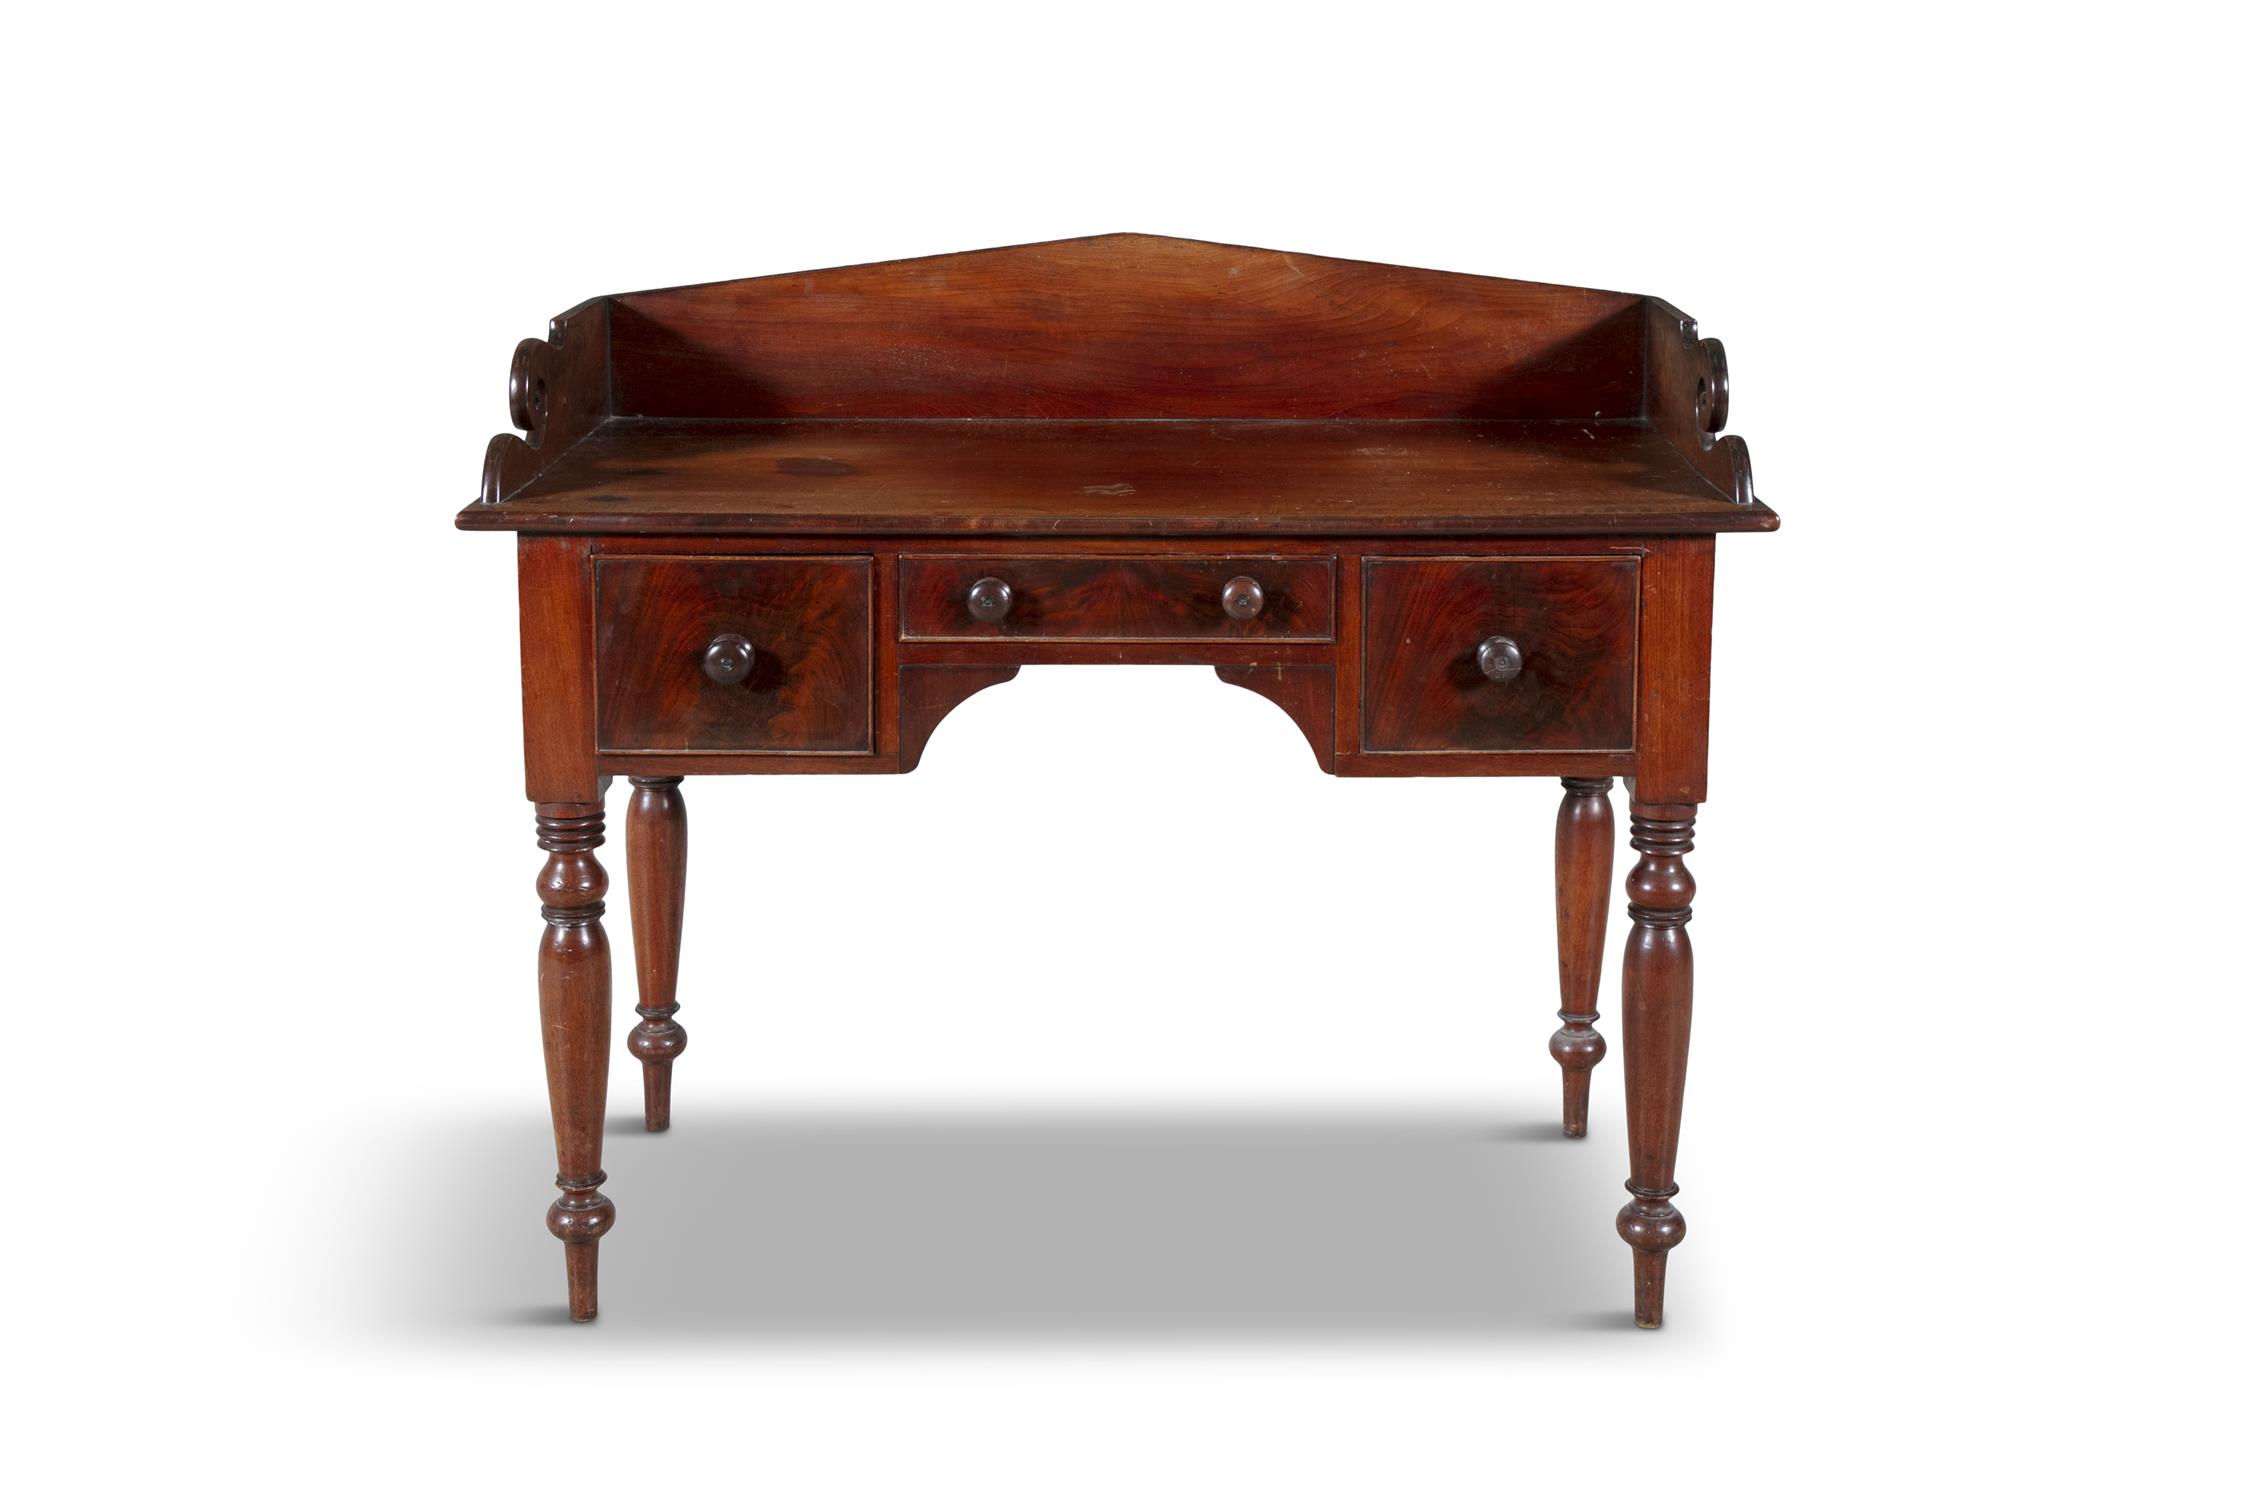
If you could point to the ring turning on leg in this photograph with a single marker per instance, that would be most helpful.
(1659, 986)
(574, 1026)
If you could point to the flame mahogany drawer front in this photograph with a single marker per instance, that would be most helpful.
(1118, 598)
(734, 654)
(1525, 653)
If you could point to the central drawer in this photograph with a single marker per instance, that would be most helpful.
(970, 598)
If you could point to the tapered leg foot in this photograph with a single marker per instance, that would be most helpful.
(580, 1263)
(656, 1094)
(1659, 990)
(1652, 1226)
(574, 1026)
(579, 1218)
(1648, 1288)
(1585, 856)
(656, 863)
(1577, 1078)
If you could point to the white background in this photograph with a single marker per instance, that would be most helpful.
(1029, 1145)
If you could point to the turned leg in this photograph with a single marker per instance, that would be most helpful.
(1585, 848)
(1659, 985)
(574, 1022)
(656, 866)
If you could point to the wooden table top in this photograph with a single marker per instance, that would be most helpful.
(1122, 478)
(1123, 386)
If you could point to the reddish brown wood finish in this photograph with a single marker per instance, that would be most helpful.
(809, 688)
(656, 869)
(1572, 618)
(1127, 325)
(574, 1024)
(556, 622)
(1659, 1003)
(1110, 598)
(558, 392)
(1297, 395)
(1675, 691)
(1585, 856)
(1306, 694)
(927, 694)
(1235, 479)
(1468, 527)
(1687, 399)
(1026, 651)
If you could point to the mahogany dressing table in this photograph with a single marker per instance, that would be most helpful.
(1451, 525)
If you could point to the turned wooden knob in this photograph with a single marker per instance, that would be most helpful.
(1242, 598)
(1499, 658)
(728, 658)
(989, 600)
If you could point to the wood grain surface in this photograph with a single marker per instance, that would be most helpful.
(810, 688)
(1126, 325)
(1118, 598)
(1573, 619)
(1123, 479)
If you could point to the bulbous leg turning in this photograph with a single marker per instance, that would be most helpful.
(574, 1028)
(1585, 856)
(1659, 991)
(656, 866)
(1652, 1226)
(579, 1218)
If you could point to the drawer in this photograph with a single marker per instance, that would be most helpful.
(1118, 598)
(1567, 685)
(800, 684)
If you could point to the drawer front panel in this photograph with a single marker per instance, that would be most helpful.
(1120, 598)
(1573, 623)
(803, 684)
